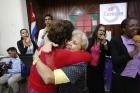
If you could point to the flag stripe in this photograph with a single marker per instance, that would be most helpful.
(33, 30)
(33, 23)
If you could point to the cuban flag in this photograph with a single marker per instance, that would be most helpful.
(33, 23)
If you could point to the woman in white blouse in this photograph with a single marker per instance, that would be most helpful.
(26, 46)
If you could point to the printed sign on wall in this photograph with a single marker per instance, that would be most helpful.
(112, 13)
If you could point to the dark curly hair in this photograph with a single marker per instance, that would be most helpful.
(11, 49)
(49, 15)
(125, 23)
(60, 31)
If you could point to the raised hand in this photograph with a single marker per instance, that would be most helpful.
(47, 47)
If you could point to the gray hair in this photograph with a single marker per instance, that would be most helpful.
(83, 36)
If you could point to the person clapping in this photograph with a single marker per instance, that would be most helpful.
(26, 45)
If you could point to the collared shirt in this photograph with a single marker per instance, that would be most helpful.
(129, 43)
(16, 65)
(133, 66)
(60, 77)
(40, 40)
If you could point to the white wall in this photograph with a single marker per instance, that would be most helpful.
(13, 17)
